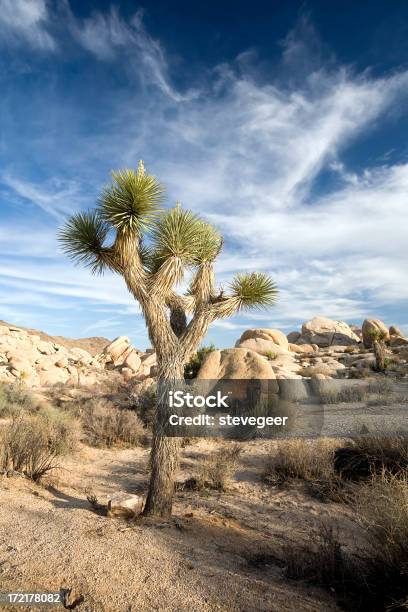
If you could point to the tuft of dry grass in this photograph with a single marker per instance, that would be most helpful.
(108, 425)
(323, 562)
(217, 470)
(300, 459)
(31, 444)
(382, 511)
(371, 454)
(15, 397)
(310, 461)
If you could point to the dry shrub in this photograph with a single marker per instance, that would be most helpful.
(31, 444)
(381, 386)
(359, 373)
(323, 562)
(14, 397)
(301, 459)
(382, 511)
(372, 454)
(347, 394)
(310, 461)
(377, 579)
(144, 403)
(216, 471)
(107, 425)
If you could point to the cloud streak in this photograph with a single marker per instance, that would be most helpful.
(108, 36)
(26, 21)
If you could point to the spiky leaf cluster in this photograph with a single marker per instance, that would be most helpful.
(181, 233)
(83, 238)
(175, 234)
(253, 290)
(209, 243)
(132, 202)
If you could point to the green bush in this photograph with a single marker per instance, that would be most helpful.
(192, 368)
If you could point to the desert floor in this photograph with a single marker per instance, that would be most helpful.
(220, 551)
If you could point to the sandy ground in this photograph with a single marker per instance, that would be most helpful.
(201, 560)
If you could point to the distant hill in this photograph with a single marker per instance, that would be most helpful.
(93, 345)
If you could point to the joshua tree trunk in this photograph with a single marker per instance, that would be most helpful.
(379, 353)
(165, 450)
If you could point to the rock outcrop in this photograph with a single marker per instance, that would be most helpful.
(235, 363)
(372, 326)
(27, 357)
(325, 348)
(326, 332)
(275, 336)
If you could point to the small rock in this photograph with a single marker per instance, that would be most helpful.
(125, 505)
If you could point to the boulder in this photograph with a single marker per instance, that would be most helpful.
(132, 361)
(125, 505)
(293, 337)
(236, 363)
(53, 376)
(398, 341)
(45, 348)
(357, 330)
(328, 370)
(284, 374)
(117, 348)
(303, 348)
(365, 363)
(80, 355)
(272, 335)
(62, 363)
(395, 331)
(261, 346)
(127, 373)
(371, 326)
(148, 360)
(326, 332)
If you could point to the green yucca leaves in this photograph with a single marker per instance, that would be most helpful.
(209, 243)
(254, 290)
(176, 234)
(162, 243)
(180, 233)
(82, 239)
(133, 201)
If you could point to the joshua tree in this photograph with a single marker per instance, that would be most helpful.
(378, 337)
(151, 248)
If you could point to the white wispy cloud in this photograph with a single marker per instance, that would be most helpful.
(55, 197)
(26, 21)
(107, 35)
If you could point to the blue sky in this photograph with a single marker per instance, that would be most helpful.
(286, 124)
